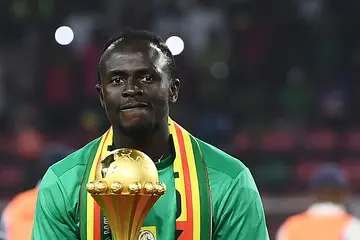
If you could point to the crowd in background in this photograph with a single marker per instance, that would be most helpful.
(275, 83)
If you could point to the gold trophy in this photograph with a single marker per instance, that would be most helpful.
(126, 186)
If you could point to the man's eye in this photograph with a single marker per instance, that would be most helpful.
(116, 79)
(146, 79)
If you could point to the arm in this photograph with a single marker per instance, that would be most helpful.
(240, 214)
(54, 217)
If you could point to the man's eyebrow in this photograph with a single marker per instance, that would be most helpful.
(140, 70)
(117, 72)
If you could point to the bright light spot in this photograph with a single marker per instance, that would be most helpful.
(219, 70)
(64, 35)
(175, 45)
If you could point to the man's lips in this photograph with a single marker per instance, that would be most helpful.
(129, 106)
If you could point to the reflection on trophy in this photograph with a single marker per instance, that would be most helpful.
(126, 186)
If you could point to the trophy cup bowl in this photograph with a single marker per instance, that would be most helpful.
(126, 186)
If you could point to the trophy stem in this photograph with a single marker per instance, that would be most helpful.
(125, 213)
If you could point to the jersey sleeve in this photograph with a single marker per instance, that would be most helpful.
(53, 215)
(240, 214)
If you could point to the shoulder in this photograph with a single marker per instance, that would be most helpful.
(77, 158)
(219, 162)
(228, 176)
(236, 202)
(62, 181)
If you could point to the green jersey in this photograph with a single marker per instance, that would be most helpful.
(237, 209)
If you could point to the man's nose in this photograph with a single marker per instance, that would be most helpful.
(131, 89)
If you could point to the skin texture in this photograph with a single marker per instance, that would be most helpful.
(136, 90)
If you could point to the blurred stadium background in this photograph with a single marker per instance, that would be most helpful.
(274, 83)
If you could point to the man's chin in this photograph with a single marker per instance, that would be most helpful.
(137, 129)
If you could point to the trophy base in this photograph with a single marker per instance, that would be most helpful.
(125, 213)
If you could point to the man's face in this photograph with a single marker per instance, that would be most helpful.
(135, 87)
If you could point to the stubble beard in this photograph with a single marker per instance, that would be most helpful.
(139, 131)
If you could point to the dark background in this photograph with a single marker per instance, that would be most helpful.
(274, 83)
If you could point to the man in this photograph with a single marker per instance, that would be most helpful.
(327, 217)
(137, 85)
(20, 211)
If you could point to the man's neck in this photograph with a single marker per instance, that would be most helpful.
(155, 145)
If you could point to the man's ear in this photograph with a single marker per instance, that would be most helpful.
(99, 89)
(174, 90)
